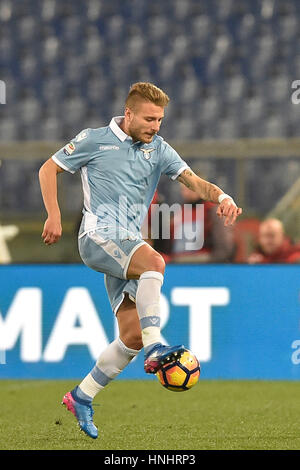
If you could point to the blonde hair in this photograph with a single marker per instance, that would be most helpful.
(147, 92)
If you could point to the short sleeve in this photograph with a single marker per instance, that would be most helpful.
(76, 153)
(172, 164)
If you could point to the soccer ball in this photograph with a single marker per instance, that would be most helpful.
(180, 375)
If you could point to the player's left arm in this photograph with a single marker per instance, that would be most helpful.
(210, 192)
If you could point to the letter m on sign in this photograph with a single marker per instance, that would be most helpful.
(23, 320)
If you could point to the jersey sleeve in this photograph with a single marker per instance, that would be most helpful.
(76, 153)
(172, 164)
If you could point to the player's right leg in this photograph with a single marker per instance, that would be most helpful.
(110, 363)
(148, 266)
(102, 253)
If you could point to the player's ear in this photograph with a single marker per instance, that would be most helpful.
(128, 114)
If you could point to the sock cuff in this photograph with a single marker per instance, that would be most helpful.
(81, 396)
(129, 351)
(152, 275)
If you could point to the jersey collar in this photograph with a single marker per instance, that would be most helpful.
(115, 127)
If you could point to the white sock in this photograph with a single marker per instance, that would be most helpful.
(110, 363)
(148, 307)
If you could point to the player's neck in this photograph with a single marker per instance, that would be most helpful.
(123, 125)
(125, 128)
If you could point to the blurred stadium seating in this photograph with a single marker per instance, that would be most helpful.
(228, 67)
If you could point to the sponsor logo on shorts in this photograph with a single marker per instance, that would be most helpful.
(117, 254)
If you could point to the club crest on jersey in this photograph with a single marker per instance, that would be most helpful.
(147, 152)
(69, 148)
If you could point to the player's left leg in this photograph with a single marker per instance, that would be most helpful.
(108, 366)
(148, 267)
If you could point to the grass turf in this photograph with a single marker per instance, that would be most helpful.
(143, 415)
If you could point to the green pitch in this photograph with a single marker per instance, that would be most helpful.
(143, 415)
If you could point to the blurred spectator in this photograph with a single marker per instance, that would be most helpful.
(218, 241)
(273, 245)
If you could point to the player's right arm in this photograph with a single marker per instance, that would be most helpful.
(48, 183)
(71, 157)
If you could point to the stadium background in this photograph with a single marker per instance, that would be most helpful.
(229, 68)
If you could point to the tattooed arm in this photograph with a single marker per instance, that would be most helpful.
(210, 192)
(207, 191)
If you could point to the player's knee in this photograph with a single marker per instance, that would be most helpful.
(157, 263)
(133, 340)
(137, 343)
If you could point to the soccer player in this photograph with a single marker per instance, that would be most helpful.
(120, 167)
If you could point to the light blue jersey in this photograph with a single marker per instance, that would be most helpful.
(119, 176)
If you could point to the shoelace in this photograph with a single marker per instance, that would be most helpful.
(87, 414)
(91, 411)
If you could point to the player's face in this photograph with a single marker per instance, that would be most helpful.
(144, 121)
